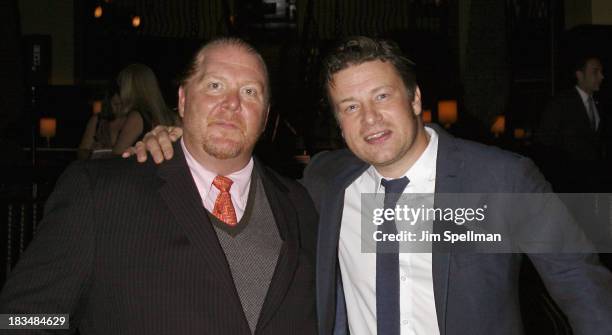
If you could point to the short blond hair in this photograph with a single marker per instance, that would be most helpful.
(193, 69)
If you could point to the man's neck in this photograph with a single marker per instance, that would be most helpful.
(585, 90)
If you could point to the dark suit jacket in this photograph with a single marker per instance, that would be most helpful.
(474, 293)
(565, 131)
(129, 249)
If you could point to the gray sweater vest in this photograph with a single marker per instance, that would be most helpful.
(251, 249)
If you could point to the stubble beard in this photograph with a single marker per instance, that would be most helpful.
(222, 148)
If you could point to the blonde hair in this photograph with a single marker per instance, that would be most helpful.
(139, 91)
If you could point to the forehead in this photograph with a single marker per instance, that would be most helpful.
(594, 64)
(364, 77)
(233, 61)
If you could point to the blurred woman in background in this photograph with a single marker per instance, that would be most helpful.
(131, 108)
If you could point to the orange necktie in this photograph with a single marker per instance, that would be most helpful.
(224, 209)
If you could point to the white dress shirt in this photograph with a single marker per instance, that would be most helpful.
(417, 304)
(208, 192)
(585, 101)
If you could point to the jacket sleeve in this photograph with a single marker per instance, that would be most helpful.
(577, 282)
(315, 178)
(53, 274)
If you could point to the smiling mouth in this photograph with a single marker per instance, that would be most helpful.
(378, 137)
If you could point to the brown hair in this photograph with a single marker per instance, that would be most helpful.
(360, 49)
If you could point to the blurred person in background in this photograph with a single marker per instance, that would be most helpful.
(572, 131)
(132, 107)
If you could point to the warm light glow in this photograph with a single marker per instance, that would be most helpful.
(136, 21)
(98, 12)
(447, 112)
(47, 126)
(97, 106)
(427, 116)
(520, 133)
(499, 126)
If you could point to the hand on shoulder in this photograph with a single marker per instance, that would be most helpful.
(158, 142)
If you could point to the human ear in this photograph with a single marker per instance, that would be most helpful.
(417, 106)
(181, 101)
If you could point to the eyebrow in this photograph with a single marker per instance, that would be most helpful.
(346, 100)
(371, 91)
(222, 77)
(206, 75)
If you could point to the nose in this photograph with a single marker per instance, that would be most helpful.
(231, 101)
(371, 115)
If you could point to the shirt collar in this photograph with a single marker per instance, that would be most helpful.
(584, 95)
(241, 178)
(424, 169)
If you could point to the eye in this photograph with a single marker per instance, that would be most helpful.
(382, 96)
(250, 91)
(350, 108)
(214, 85)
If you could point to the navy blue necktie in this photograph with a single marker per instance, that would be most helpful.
(387, 266)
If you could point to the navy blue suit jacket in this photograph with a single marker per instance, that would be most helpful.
(474, 293)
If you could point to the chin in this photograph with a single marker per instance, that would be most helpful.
(223, 149)
(379, 156)
(223, 153)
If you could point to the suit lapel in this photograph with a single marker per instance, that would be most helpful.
(583, 115)
(330, 218)
(183, 199)
(287, 222)
(448, 166)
